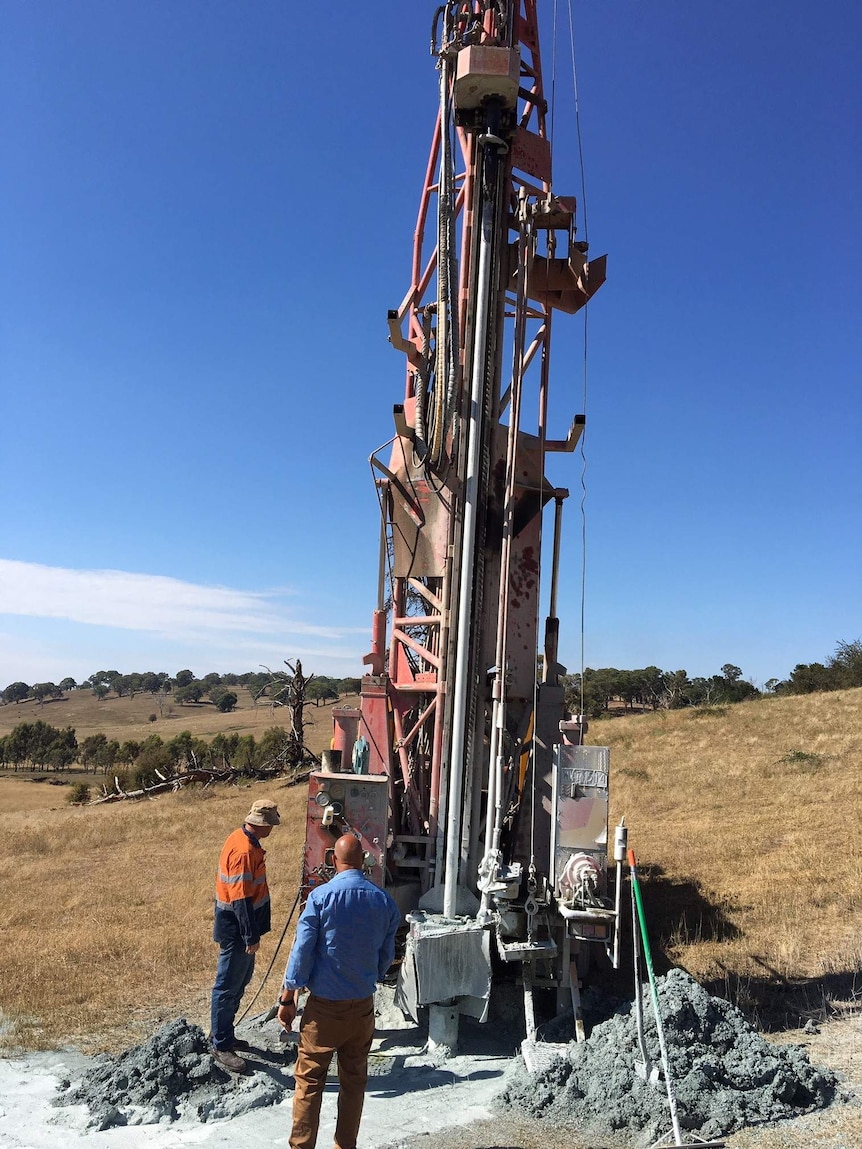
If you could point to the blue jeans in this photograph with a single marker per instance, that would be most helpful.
(233, 973)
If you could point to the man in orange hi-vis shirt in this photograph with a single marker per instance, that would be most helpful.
(242, 915)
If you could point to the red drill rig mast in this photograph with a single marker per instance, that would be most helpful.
(471, 740)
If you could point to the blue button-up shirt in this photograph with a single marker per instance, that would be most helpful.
(345, 938)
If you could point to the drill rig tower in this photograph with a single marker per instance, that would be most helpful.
(461, 771)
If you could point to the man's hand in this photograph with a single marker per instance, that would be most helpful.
(287, 1013)
(252, 949)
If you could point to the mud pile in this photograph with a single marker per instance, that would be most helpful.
(171, 1075)
(725, 1075)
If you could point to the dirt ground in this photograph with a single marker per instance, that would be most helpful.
(838, 1046)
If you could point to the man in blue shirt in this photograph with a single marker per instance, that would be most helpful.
(345, 942)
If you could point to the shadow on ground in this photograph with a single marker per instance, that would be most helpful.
(678, 912)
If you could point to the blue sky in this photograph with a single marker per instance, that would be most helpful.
(206, 210)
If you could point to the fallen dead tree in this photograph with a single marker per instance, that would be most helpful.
(200, 776)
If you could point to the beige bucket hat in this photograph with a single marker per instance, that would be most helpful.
(263, 812)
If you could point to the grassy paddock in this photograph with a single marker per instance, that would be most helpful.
(129, 718)
(744, 821)
(107, 926)
(747, 824)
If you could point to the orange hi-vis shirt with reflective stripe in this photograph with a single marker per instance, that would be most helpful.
(241, 887)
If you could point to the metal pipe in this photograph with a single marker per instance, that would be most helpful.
(621, 841)
(436, 811)
(381, 561)
(555, 567)
(496, 762)
(595, 915)
(468, 545)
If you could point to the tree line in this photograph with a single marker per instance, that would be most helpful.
(655, 689)
(647, 688)
(183, 687)
(38, 745)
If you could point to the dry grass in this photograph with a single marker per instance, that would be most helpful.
(745, 823)
(129, 718)
(107, 922)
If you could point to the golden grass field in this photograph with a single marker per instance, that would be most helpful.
(745, 821)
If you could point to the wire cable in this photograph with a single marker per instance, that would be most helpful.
(578, 123)
(553, 92)
(583, 452)
(274, 956)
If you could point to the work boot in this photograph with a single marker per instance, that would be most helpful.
(239, 1045)
(229, 1060)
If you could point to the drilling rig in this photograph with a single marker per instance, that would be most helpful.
(462, 771)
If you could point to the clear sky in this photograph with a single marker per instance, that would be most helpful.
(206, 209)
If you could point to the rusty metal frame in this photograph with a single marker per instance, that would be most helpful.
(415, 667)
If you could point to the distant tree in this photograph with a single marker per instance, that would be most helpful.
(226, 702)
(62, 750)
(597, 691)
(701, 691)
(119, 683)
(846, 665)
(807, 678)
(95, 753)
(257, 685)
(128, 752)
(743, 690)
(223, 749)
(153, 756)
(16, 692)
(731, 673)
(68, 684)
(43, 690)
(629, 688)
(651, 681)
(245, 757)
(191, 693)
(321, 690)
(112, 750)
(184, 678)
(349, 685)
(274, 746)
(17, 745)
(770, 685)
(676, 689)
(159, 685)
(181, 749)
(100, 689)
(39, 744)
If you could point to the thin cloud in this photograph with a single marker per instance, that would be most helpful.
(139, 602)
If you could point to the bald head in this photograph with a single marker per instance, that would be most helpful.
(349, 854)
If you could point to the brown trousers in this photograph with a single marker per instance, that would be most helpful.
(327, 1027)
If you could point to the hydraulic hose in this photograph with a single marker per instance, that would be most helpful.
(274, 956)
